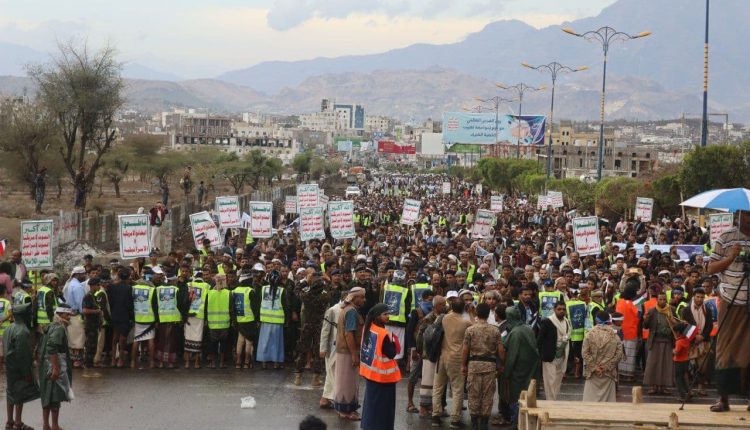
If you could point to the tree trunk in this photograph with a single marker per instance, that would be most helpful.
(117, 188)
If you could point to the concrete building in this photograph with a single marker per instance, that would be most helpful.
(378, 123)
(335, 117)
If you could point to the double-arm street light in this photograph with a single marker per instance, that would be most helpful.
(553, 69)
(495, 101)
(520, 89)
(605, 36)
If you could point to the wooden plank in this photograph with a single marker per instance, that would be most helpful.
(637, 394)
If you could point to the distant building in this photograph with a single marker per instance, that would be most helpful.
(335, 117)
(381, 124)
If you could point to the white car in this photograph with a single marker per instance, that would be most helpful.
(352, 191)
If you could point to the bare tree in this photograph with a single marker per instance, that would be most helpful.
(84, 91)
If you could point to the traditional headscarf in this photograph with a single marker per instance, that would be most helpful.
(375, 311)
(513, 318)
(354, 292)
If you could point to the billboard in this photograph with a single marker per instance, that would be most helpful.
(391, 147)
(485, 129)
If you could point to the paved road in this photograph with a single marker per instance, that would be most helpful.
(210, 399)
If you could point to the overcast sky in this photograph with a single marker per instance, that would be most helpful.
(192, 38)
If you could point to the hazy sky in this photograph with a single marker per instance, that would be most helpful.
(194, 38)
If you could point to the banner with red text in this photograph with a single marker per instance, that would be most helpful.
(341, 219)
(261, 219)
(134, 234)
(36, 244)
(203, 227)
(586, 235)
(228, 208)
(410, 213)
(307, 196)
(311, 223)
(391, 147)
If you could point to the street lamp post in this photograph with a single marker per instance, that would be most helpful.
(496, 102)
(704, 123)
(520, 89)
(605, 36)
(553, 68)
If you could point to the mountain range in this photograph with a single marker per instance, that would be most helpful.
(651, 78)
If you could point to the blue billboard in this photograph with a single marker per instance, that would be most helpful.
(481, 128)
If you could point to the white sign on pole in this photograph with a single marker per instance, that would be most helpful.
(555, 199)
(290, 205)
(261, 219)
(496, 203)
(36, 244)
(204, 228)
(134, 234)
(311, 223)
(479, 189)
(644, 208)
(446, 187)
(482, 224)
(586, 235)
(543, 201)
(307, 196)
(410, 214)
(341, 219)
(718, 224)
(228, 208)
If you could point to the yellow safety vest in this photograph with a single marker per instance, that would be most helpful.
(142, 297)
(395, 297)
(166, 297)
(218, 309)
(98, 294)
(416, 293)
(271, 312)
(547, 302)
(577, 318)
(242, 309)
(41, 304)
(21, 297)
(4, 310)
(589, 319)
(200, 291)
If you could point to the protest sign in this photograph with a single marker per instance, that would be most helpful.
(446, 187)
(311, 223)
(134, 234)
(307, 196)
(290, 205)
(261, 219)
(410, 213)
(496, 203)
(341, 219)
(644, 208)
(228, 208)
(203, 227)
(482, 224)
(586, 235)
(36, 244)
(718, 224)
(555, 199)
(543, 202)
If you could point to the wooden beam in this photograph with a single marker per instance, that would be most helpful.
(531, 394)
(637, 395)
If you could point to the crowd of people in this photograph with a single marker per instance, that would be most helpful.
(481, 316)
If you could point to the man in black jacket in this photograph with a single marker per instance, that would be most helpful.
(554, 334)
(696, 314)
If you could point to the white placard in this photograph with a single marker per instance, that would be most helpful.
(644, 208)
(482, 224)
(308, 196)
(496, 203)
(555, 199)
(479, 189)
(410, 213)
(718, 224)
(261, 219)
(134, 234)
(228, 208)
(311, 223)
(586, 235)
(204, 228)
(446, 187)
(290, 205)
(341, 219)
(543, 202)
(36, 244)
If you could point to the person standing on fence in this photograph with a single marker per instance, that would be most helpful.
(157, 215)
(201, 192)
(40, 184)
(80, 188)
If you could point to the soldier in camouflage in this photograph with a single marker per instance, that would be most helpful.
(315, 301)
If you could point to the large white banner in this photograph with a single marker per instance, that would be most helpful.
(718, 224)
(228, 208)
(482, 224)
(446, 187)
(644, 209)
(311, 223)
(341, 219)
(204, 228)
(290, 205)
(410, 213)
(307, 196)
(586, 235)
(134, 234)
(543, 202)
(261, 219)
(496, 203)
(36, 244)
(555, 199)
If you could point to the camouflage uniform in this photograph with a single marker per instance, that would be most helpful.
(315, 302)
(482, 340)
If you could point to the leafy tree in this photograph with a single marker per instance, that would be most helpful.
(618, 194)
(238, 173)
(301, 164)
(272, 168)
(716, 166)
(116, 164)
(83, 91)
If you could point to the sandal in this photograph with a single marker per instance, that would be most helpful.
(351, 417)
(720, 407)
(652, 391)
(412, 409)
(9, 425)
(22, 426)
(238, 366)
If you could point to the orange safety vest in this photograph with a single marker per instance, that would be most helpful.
(630, 319)
(374, 366)
(646, 307)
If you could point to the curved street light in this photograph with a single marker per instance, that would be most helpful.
(520, 89)
(605, 36)
(553, 69)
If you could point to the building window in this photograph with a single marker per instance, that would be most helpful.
(618, 164)
(632, 165)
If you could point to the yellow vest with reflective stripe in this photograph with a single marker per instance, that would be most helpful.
(200, 291)
(98, 294)
(35, 277)
(21, 297)
(416, 293)
(395, 298)
(545, 311)
(218, 309)
(577, 330)
(166, 297)
(242, 309)
(4, 310)
(249, 238)
(589, 319)
(271, 312)
(41, 304)
(142, 297)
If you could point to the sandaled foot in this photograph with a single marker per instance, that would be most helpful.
(22, 426)
(412, 409)
(720, 407)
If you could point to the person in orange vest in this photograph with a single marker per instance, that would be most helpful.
(380, 370)
(630, 321)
